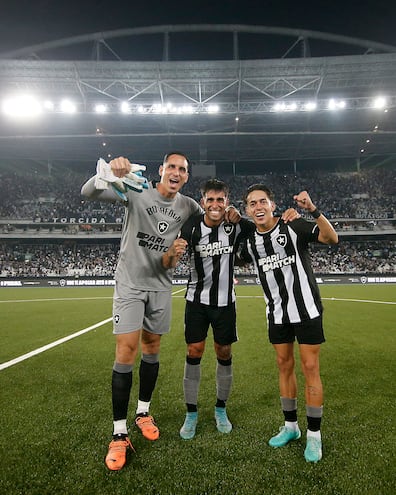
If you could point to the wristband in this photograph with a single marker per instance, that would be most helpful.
(316, 213)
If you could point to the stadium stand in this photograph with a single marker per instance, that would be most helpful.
(47, 229)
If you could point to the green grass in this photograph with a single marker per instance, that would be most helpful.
(55, 420)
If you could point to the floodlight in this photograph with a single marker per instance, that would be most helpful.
(213, 108)
(100, 108)
(157, 108)
(188, 109)
(125, 107)
(379, 102)
(336, 104)
(49, 105)
(283, 106)
(310, 106)
(22, 106)
(68, 106)
(278, 107)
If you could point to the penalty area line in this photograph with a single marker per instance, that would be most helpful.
(44, 348)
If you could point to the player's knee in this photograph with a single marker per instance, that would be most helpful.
(223, 352)
(310, 367)
(285, 363)
(195, 350)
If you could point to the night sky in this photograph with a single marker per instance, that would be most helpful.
(28, 22)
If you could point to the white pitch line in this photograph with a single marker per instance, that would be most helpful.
(85, 330)
(177, 291)
(332, 299)
(357, 300)
(50, 346)
(64, 339)
(56, 299)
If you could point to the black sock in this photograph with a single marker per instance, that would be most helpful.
(314, 423)
(121, 384)
(148, 374)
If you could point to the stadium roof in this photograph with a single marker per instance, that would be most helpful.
(231, 110)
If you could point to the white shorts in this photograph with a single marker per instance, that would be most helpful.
(136, 309)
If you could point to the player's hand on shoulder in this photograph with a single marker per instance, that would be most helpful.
(290, 214)
(232, 214)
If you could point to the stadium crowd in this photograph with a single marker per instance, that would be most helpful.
(369, 194)
(89, 260)
(57, 260)
(54, 200)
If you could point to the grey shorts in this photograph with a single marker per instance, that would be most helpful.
(136, 309)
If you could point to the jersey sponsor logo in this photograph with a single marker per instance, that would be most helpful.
(228, 228)
(275, 261)
(281, 239)
(213, 249)
(162, 227)
(152, 242)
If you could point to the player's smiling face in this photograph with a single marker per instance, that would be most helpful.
(174, 174)
(260, 209)
(214, 203)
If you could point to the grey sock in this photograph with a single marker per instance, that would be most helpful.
(223, 381)
(191, 381)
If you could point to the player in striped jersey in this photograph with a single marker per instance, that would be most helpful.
(280, 254)
(210, 300)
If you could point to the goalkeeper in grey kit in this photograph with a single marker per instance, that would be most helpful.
(154, 214)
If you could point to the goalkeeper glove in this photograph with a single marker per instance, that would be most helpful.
(132, 180)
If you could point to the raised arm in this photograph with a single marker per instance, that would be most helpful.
(113, 179)
(327, 234)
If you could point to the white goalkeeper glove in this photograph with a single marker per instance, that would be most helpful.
(132, 180)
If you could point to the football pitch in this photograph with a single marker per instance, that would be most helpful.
(56, 357)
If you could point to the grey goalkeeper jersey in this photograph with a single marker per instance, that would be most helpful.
(151, 224)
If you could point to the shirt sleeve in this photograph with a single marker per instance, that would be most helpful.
(307, 231)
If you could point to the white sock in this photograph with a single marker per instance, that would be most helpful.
(142, 407)
(120, 427)
(314, 434)
(292, 425)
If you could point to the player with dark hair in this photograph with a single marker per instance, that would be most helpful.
(293, 305)
(142, 295)
(210, 300)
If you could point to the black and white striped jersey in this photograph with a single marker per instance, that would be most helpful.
(282, 261)
(212, 252)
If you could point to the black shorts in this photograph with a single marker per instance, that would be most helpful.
(198, 317)
(306, 332)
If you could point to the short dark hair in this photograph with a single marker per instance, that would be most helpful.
(214, 185)
(166, 157)
(259, 187)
